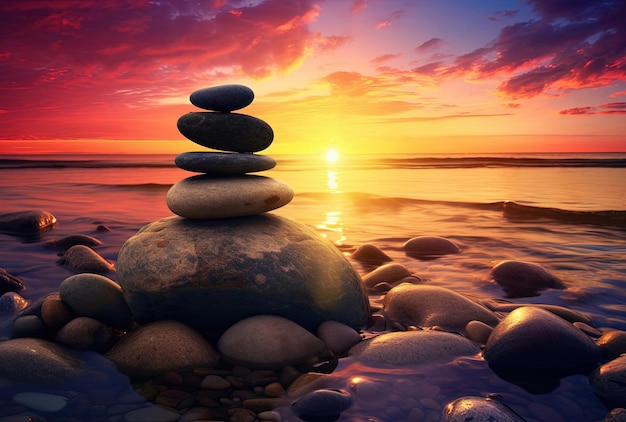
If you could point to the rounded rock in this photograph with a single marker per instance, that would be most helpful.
(523, 344)
(159, 347)
(41, 401)
(479, 409)
(429, 247)
(35, 360)
(322, 403)
(207, 197)
(12, 303)
(97, 297)
(609, 382)
(55, 313)
(428, 306)
(523, 279)
(211, 274)
(388, 273)
(222, 98)
(67, 242)
(413, 347)
(223, 163)
(370, 253)
(612, 343)
(27, 223)
(269, 342)
(226, 131)
(28, 326)
(83, 259)
(337, 337)
(84, 333)
(478, 331)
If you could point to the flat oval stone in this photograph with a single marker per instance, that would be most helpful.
(83, 259)
(523, 279)
(427, 306)
(223, 97)
(26, 223)
(429, 247)
(206, 197)
(413, 347)
(97, 297)
(41, 401)
(226, 131)
(223, 163)
(269, 342)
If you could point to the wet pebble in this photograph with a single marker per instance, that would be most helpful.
(479, 409)
(324, 402)
(28, 326)
(215, 382)
(523, 279)
(12, 303)
(388, 273)
(370, 253)
(429, 246)
(609, 382)
(337, 337)
(478, 331)
(83, 259)
(67, 242)
(55, 313)
(612, 343)
(41, 401)
(85, 333)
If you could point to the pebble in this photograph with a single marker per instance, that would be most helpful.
(159, 347)
(324, 402)
(66, 242)
(83, 259)
(388, 273)
(27, 223)
(97, 297)
(32, 359)
(429, 246)
(609, 382)
(226, 131)
(478, 331)
(612, 343)
(413, 347)
(28, 326)
(337, 337)
(480, 409)
(85, 333)
(428, 306)
(9, 283)
(12, 303)
(370, 253)
(55, 313)
(523, 279)
(152, 414)
(215, 382)
(223, 98)
(41, 401)
(268, 341)
(223, 163)
(207, 197)
(523, 344)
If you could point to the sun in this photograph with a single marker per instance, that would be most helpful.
(332, 155)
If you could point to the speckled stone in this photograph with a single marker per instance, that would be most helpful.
(223, 163)
(480, 409)
(207, 197)
(222, 98)
(226, 131)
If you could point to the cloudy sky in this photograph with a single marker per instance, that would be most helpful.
(364, 76)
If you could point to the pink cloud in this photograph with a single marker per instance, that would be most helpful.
(358, 5)
(608, 108)
(429, 45)
(571, 45)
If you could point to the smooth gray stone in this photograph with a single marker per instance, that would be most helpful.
(223, 163)
(226, 131)
(211, 197)
(26, 223)
(211, 274)
(222, 98)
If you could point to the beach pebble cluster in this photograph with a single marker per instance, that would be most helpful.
(227, 312)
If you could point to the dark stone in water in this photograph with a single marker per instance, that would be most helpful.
(9, 283)
(523, 279)
(26, 223)
(223, 163)
(222, 98)
(322, 405)
(66, 242)
(211, 274)
(226, 131)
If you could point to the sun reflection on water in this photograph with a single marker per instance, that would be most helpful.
(332, 227)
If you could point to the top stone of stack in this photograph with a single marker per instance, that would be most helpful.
(224, 98)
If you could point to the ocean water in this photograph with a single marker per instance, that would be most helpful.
(566, 212)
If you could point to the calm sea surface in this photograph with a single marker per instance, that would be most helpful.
(550, 209)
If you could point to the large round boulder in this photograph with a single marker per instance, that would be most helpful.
(211, 274)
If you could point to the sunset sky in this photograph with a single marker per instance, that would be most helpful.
(361, 76)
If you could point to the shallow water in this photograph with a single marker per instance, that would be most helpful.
(385, 203)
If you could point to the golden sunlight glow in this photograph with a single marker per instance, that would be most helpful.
(332, 155)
